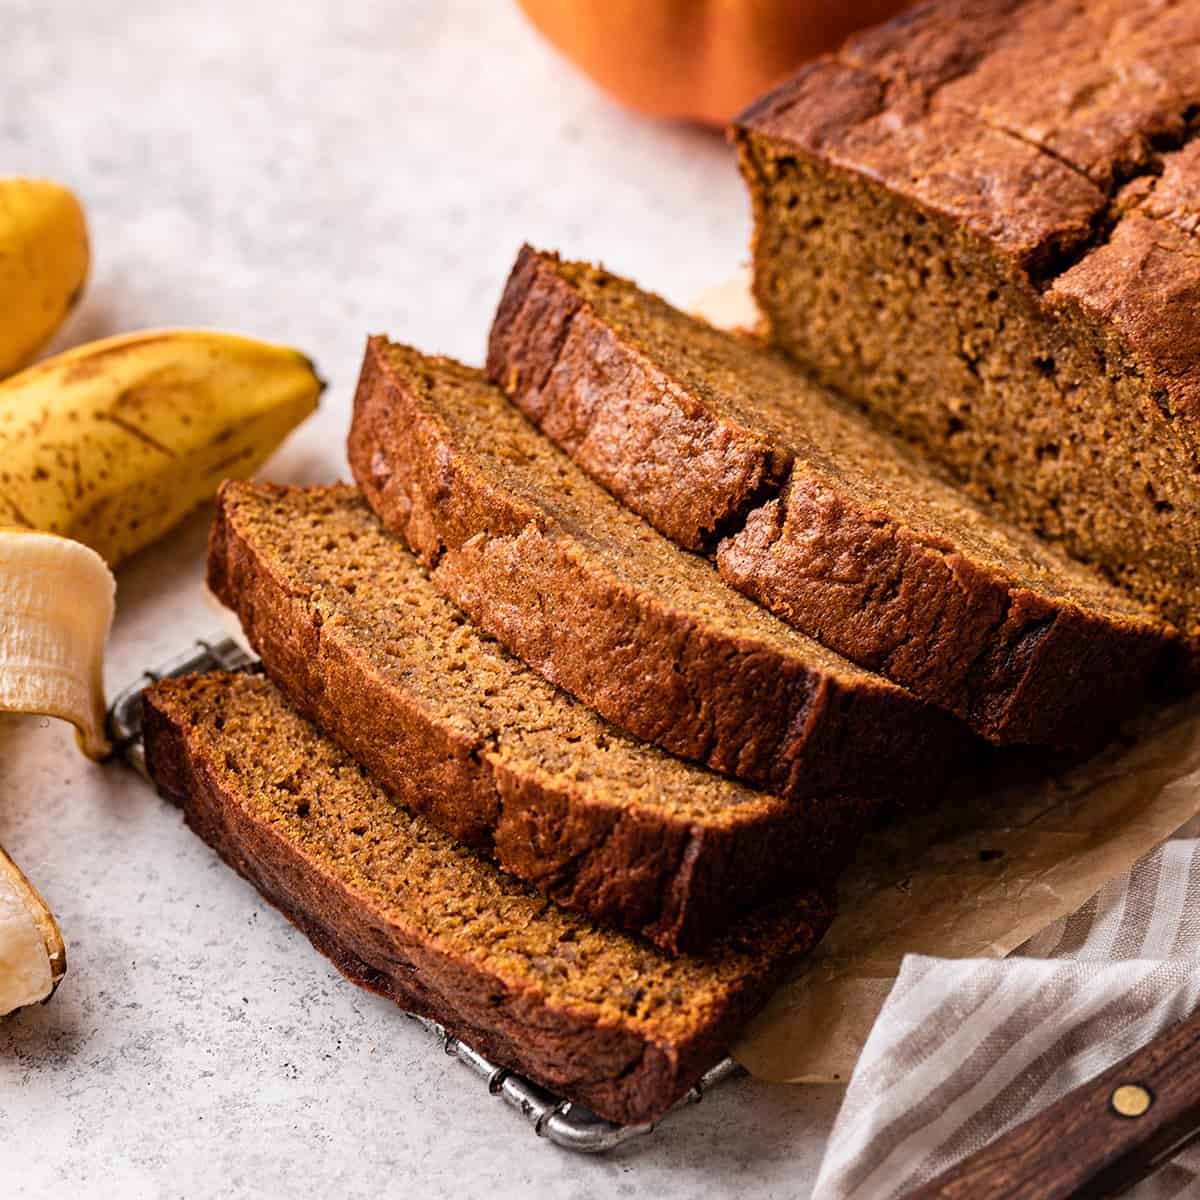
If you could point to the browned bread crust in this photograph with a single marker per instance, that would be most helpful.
(350, 629)
(551, 565)
(402, 910)
(1007, 273)
(832, 525)
(689, 467)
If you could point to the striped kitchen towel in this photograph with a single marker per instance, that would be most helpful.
(965, 1049)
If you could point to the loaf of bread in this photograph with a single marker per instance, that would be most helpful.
(352, 631)
(568, 579)
(981, 221)
(402, 909)
(832, 525)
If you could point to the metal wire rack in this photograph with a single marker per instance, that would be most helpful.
(557, 1120)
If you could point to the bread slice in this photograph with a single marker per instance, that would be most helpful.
(404, 910)
(352, 631)
(1007, 274)
(579, 587)
(832, 525)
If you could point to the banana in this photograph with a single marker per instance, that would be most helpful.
(43, 265)
(56, 608)
(115, 442)
(33, 958)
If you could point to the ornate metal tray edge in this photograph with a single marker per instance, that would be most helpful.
(560, 1121)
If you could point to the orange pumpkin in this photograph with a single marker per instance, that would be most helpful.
(702, 60)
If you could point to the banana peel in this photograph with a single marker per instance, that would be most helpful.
(33, 956)
(56, 609)
(113, 443)
(44, 260)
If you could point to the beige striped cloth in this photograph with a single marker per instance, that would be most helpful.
(964, 1050)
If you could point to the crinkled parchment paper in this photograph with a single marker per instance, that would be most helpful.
(1013, 848)
(1010, 850)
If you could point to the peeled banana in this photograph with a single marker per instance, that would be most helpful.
(33, 958)
(115, 442)
(43, 265)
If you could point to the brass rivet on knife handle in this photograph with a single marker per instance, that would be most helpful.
(1131, 1100)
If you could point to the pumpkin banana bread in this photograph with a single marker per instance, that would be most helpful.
(407, 912)
(832, 525)
(1007, 272)
(547, 562)
(352, 631)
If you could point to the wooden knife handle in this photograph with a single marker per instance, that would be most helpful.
(1097, 1140)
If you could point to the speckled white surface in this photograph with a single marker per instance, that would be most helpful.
(306, 173)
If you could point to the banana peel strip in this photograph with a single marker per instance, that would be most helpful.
(56, 609)
(33, 958)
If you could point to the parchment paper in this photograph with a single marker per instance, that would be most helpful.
(1017, 844)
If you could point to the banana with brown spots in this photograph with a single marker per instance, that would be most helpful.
(115, 442)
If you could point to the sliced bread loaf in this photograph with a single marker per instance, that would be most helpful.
(407, 912)
(1008, 273)
(586, 592)
(352, 631)
(834, 526)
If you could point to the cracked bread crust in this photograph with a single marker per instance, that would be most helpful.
(1008, 276)
(402, 910)
(1142, 282)
(936, 106)
(581, 589)
(353, 633)
(847, 536)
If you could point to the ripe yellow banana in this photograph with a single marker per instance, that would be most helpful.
(33, 958)
(115, 442)
(43, 265)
